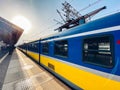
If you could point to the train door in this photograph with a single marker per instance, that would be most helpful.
(39, 47)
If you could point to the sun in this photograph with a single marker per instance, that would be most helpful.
(22, 22)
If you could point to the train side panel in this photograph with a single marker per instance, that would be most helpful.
(88, 56)
(83, 74)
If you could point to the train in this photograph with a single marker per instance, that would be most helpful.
(85, 57)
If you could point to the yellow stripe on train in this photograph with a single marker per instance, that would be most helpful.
(81, 78)
(33, 55)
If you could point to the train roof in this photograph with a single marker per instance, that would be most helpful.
(105, 22)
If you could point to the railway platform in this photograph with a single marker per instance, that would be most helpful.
(18, 72)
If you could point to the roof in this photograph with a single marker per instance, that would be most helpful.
(9, 33)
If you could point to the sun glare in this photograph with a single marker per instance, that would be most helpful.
(22, 22)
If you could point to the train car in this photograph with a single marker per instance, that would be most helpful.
(85, 57)
(23, 48)
(33, 50)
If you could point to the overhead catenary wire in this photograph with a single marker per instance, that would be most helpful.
(80, 10)
(71, 1)
(36, 36)
(57, 23)
(44, 24)
(112, 12)
(90, 5)
(49, 27)
(43, 31)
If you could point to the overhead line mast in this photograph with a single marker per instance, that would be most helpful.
(73, 17)
(70, 12)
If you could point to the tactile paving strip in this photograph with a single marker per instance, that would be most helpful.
(41, 78)
(24, 85)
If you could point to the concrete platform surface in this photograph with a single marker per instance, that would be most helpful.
(24, 74)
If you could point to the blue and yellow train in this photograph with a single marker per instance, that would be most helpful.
(86, 56)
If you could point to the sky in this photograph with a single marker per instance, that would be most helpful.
(41, 13)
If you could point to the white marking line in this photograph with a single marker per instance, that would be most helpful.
(115, 28)
(22, 59)
(3, 58)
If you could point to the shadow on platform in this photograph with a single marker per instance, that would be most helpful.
(3, 67)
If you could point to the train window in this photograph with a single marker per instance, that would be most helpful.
(98, 51)
(61, 48)
(36, 47)
(33, 47)
(45, 48)
(29, 46)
